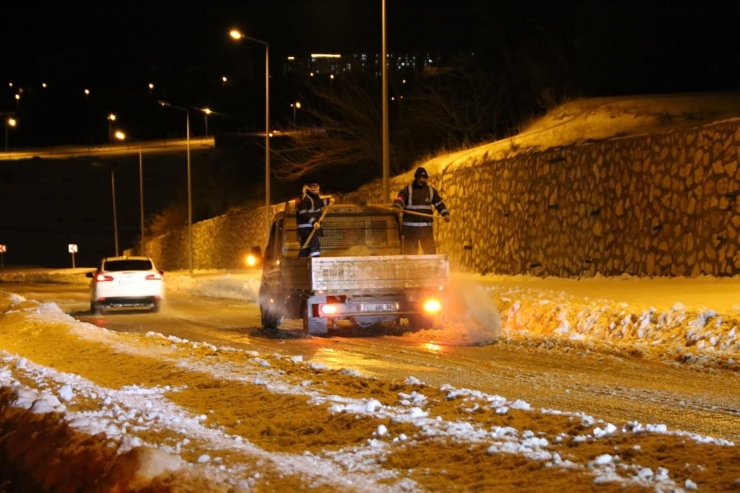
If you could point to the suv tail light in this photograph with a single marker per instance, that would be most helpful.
(153, 277)
(100, 277)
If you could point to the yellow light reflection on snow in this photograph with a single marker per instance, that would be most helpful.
(434, 348)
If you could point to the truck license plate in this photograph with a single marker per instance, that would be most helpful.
(381, 307)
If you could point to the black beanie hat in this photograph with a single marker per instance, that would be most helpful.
(421, 172)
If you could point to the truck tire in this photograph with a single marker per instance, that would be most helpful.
(270, 321)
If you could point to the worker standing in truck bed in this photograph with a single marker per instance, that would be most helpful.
(419, 197)
(308, 211)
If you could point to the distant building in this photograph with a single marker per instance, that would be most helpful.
(425, 62)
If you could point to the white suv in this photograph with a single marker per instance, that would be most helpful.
(126, 282)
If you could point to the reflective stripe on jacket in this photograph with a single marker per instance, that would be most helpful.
(308, 209)
(420, 199)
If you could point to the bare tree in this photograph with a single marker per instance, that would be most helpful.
(457, 107)
(445, 109)
(349, 131)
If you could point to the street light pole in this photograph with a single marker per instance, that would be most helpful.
(238, 35)
(115, 218)
(10, 122)
(122, 136)
(113, 191)
(141, 200)
(296, 106)
(386, 148)
(206, 112)
(190, 195)
(111, 119)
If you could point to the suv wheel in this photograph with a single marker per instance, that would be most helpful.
(96, 309)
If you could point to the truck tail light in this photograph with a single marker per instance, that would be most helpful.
(328, 309)
(432, 305)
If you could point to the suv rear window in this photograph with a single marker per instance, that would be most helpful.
(121, 265)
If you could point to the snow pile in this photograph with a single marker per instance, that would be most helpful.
(40, 275)
(694, 334)
(238, 285)
(547, 312)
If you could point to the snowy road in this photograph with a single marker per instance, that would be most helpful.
(574, 377)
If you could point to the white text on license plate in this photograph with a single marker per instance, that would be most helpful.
(380, 307)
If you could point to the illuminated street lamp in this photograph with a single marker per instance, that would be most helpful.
(224, 79)
(10, 122)
(111, 119)
(237, 35)
(113, 190)
(87, 93)
(122, 136)
(151, 88)
(295, 106)
(190, 194)
(206, 112)
(17, 100)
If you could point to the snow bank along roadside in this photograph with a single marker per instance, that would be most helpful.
(148, 413)
(680, 334)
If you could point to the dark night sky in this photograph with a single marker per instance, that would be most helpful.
(612, 46)
(589, 48)
(94, 36)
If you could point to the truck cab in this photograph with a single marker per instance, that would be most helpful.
(361, 276)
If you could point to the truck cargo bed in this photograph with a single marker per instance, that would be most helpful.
(382, 272)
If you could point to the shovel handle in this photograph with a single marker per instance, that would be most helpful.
(313, 231)
(406, 212)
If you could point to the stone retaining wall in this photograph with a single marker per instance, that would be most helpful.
(658, 205)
